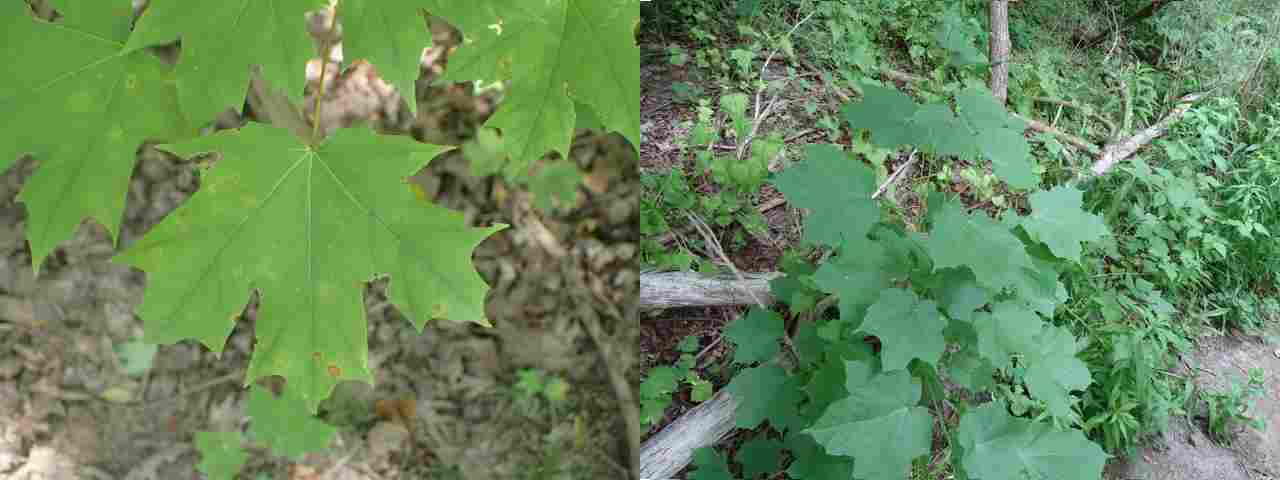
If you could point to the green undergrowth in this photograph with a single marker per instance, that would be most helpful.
(1076, 300)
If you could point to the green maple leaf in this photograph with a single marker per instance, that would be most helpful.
(837, 188)
(755, 335)
(1053, 370)
(391, 36)
(221, 40)
(710, 465)
(108, 19)
(82, 112)
(878, 424)
(987, 248)
(886, 113)
(766, 393)
(285, 425)
(759, 455)
(813, 463)
(553, 52)
(1010, 328)
(998, 446)
(306, 226)
(1059, 221)
(908, 327)
(221, 457)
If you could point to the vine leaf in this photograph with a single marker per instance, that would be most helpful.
(878, 424)
(998, 137)
(1010, 328)
(1059, 221)
(988, 248)
(908, 327)
(221, 40)
(221, 456)
(755, 335)
(82, 113)
(1053, 370)
(306, 226)
(998, 446)
(391, 36)
(285, 425)
(858, 274)
(1039, 287)
(837, 188)
(766, 393)
(958, 293)
(759, 455)
(942, 132)
(813, 463)
(553, 52)
(886, 113)
(970, 371)
(956, 37)
(711, 465)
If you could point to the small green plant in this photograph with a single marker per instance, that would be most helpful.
(734, 172)
(662, 382)
(1227, 410)
(533, 383)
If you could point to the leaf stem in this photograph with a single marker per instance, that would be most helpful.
(324, 65)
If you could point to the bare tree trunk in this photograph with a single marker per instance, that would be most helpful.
(670, 450)
(691, 289)
(1000, 50)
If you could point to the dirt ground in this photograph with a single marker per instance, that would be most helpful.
(444, 403)
(1186, 452)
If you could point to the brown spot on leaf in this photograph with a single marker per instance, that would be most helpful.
(334, 371)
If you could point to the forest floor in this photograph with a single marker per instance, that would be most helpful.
(1185, 452)
(446, 402)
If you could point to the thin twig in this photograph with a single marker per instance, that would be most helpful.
(759, 116)
(332, 471)
(799, 134)
(617, 380)
(716, 249)
(1111, 127)
(911, 160)
(198, 388)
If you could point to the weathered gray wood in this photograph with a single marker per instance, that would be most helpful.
(1120, 150)
(670, 450)
(690, 289)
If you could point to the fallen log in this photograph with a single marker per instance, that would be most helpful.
(1119, 150)
(671, 449)
(691, 289)
(1066, 137)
